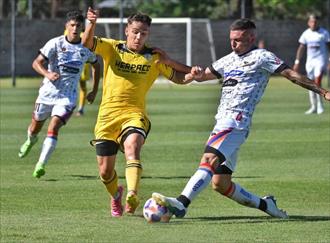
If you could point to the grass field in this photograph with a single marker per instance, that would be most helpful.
(287, 154)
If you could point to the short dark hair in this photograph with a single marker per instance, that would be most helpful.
(75, 15)
(139, 17)
(242, 24)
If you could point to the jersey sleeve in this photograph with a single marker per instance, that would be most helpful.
(270, 62)
(165, 70)
(49, 49)
(217, 68)
(103, 47)
(92, 58)
(302, 38)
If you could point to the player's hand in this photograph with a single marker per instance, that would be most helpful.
(90, 97)
(92, 15)
(52, 76)
(327, 96)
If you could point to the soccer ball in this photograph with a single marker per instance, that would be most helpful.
(154, 212)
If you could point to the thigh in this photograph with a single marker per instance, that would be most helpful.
(134, 123)
(42, 112)
(228, 142)
(63, 112)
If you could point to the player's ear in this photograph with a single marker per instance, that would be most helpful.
(126, 31)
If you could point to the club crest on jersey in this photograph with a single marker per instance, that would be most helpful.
(63, 49)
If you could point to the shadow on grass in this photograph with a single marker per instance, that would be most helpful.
(88, 177)
(260, 219)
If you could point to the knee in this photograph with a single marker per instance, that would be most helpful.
(105, 174)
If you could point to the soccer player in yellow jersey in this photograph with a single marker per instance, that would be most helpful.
(130, 68)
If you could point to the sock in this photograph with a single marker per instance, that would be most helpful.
(244, 197)
(198, 181)
(111, 184)
(319, 102)
(48, 147)
(312, 99)
(133, 174)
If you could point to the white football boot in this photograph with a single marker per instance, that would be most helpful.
(272, 208)
(175, 206)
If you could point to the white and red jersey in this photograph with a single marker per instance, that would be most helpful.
(67, 59)
(245, 78)
(316, 43)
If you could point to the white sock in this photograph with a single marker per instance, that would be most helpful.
(312, 99)
(47, 149)
(244, 197)
(197, 183)
(319, 102)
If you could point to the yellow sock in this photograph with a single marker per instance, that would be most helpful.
(133, 174)
(111, 184)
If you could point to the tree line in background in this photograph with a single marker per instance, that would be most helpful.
(213, 9)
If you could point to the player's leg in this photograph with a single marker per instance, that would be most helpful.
(40, 114)
(223, 184)
(132, 147)
(202, 177)
(106, 152)
(311, 94)
(318, 80)
(135, 129)
(60, 115)
(196, 184)
(82, 97)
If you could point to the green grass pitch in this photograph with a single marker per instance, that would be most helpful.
(287, 154)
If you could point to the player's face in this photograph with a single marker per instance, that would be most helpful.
(137, 34)
(312, 24)
(241, 41)
(73, 29)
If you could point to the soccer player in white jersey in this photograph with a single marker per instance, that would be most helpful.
(317, 41)
(245, 74)
(65, 56)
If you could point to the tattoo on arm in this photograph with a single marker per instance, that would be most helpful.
(303, 81)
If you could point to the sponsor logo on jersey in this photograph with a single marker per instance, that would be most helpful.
(133, 68)
(230, 82)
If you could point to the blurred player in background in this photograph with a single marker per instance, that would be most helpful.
(317, 41)
(130, 69)
(245, 74)
(84, 77)
(65, 56)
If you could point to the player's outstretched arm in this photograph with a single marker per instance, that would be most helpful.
(165, 59)
(305, 82)
(88, 35)
(96, 79)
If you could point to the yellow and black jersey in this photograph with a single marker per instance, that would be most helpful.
(127, 76)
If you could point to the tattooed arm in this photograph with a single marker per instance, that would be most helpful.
(305, 82)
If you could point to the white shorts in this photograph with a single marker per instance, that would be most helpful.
(227, 142)
(315, 69)
(42, 112)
